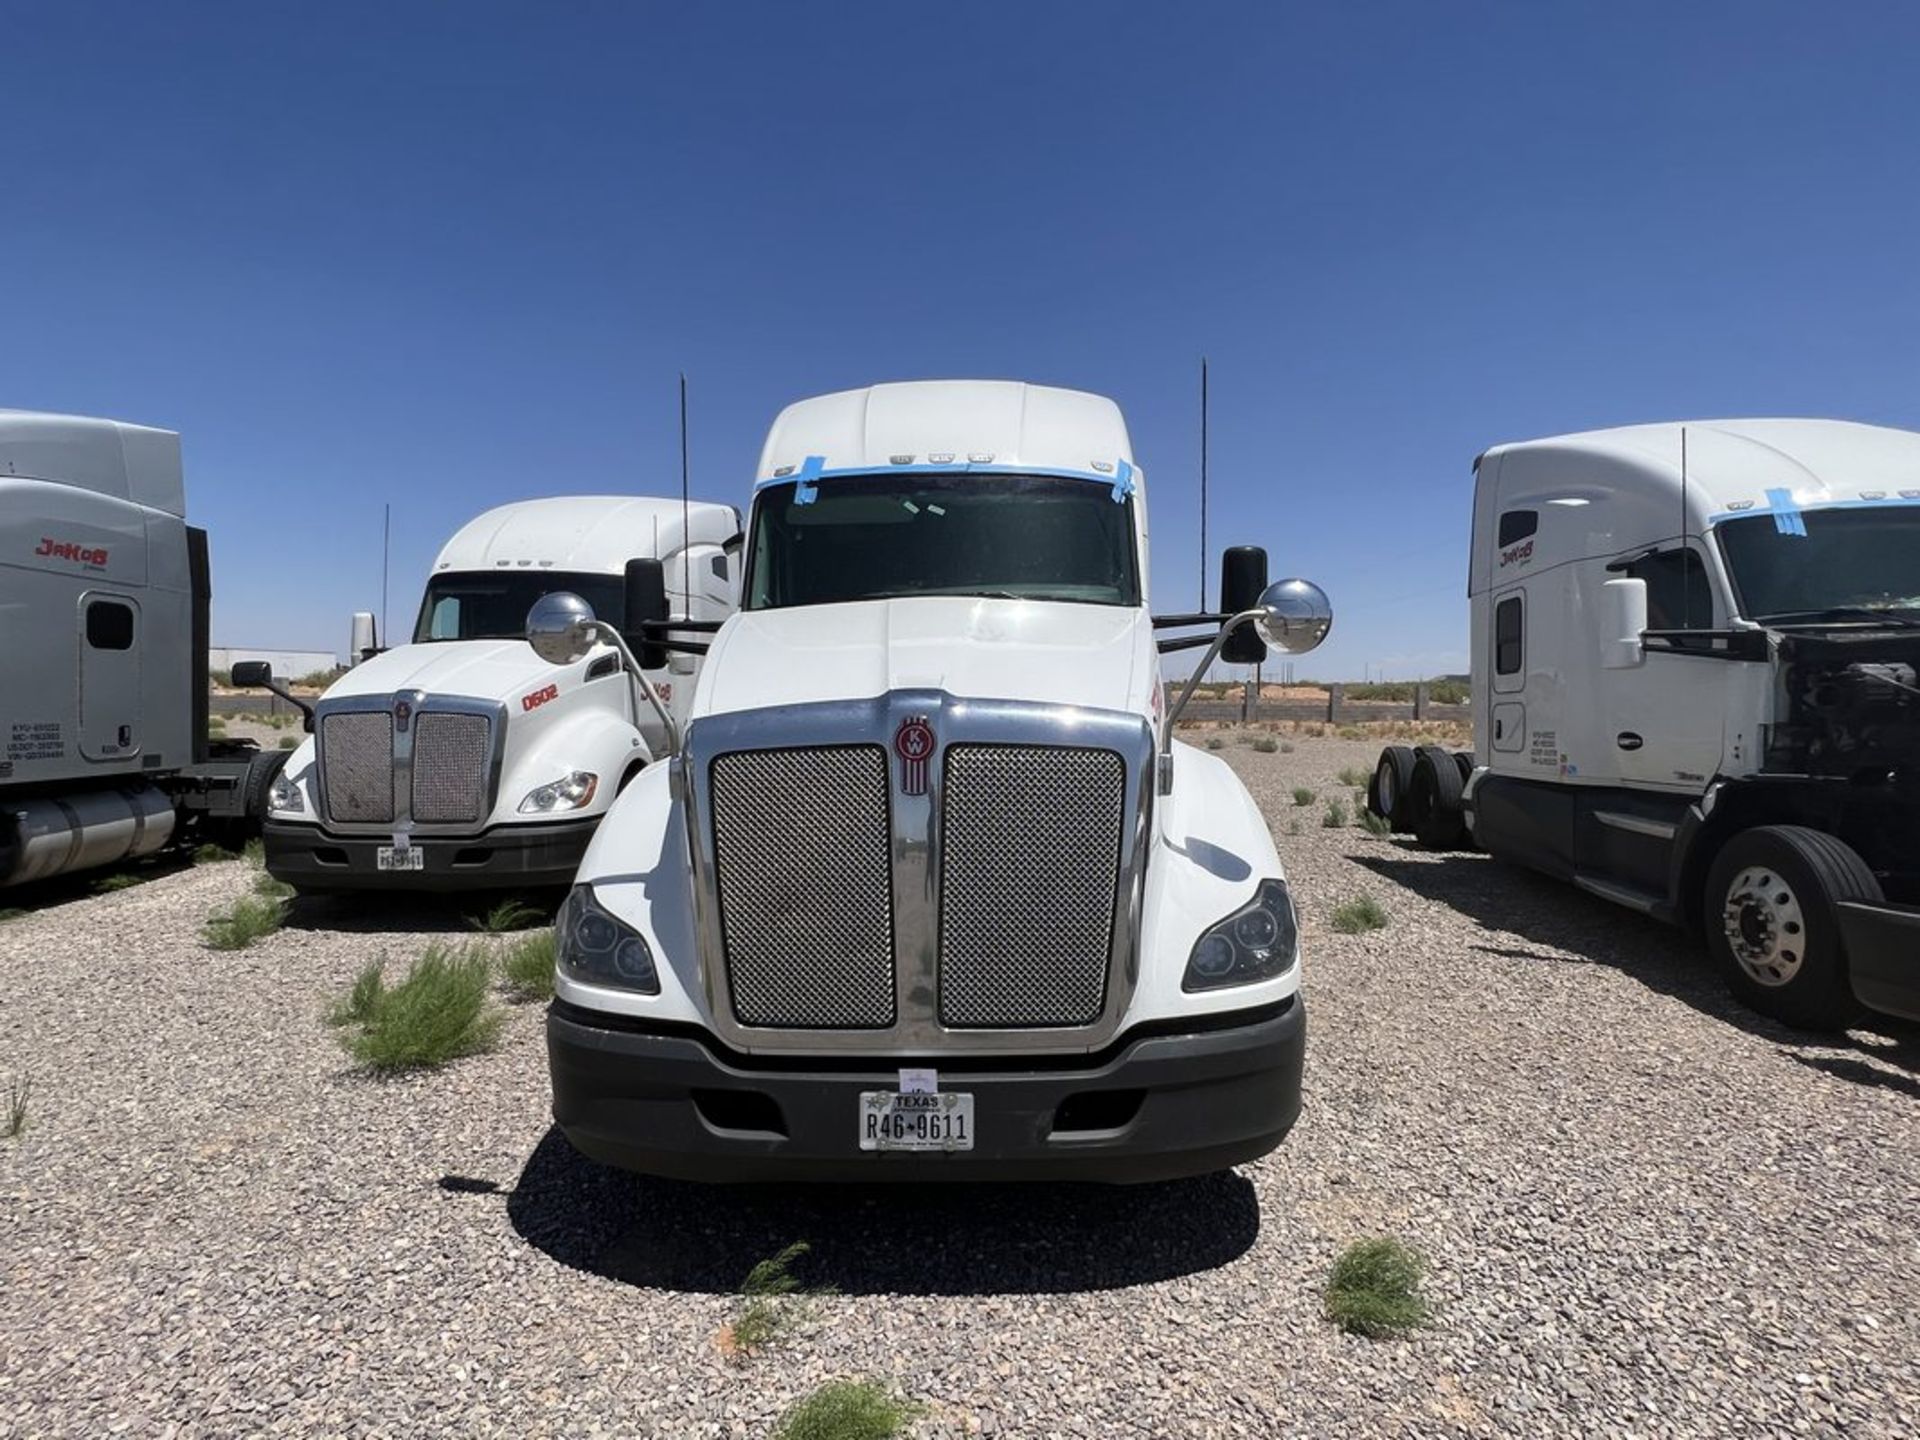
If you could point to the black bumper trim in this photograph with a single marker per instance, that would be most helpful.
(310, 857)
(1883, 954)
(1208, 1100)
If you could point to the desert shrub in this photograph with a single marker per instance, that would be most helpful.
(527, 966)
(438, 1013)
(250, 918)
(1374, 1289)
(1356, 917)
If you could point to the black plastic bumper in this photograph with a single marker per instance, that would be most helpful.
(310, 857)
(1883, 951)
(1150, 1108)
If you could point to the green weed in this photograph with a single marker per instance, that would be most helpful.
(1302, 795)
(1354, 778)
(527, 966)
(1266, 744)
(250, 918)
(438, 1013)
(123, 880)
(1373, 824)
(1356, 917)
(847, 1410)
(18, 1092)
(507, 916)
(1375, 1289)
(1335, 817)
(775, 1303)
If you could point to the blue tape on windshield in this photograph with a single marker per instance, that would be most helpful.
(1787, 518)
(1122, 482)
(806, 485)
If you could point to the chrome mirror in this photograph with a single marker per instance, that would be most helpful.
(560, 627)
(1295, 616)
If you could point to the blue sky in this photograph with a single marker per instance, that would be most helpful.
(446, 256)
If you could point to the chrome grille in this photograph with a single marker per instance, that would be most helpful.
(452, 755)
(1029, 863)
(356, 766)
(801, 852)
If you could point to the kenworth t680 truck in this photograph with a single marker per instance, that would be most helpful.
(104, 596)
(1694, 685)
(928, 890)
(465, 761)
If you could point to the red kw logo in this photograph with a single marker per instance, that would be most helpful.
(913, 743)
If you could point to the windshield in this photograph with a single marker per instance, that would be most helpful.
(1025, 537)
(1825, 561)
(493, 604)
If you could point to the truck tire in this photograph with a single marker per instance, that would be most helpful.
(1772, 927)
(1438, 819)
(1391, 788)
(262, 771)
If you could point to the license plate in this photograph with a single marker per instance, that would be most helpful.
(892, 1121)
(389, 857)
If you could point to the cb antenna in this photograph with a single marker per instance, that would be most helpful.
(686, 505)
(1686, 550)
(1203, 484)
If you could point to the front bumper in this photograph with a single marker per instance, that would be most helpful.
(1154, 1107)
(310, 857)
(1883, 952)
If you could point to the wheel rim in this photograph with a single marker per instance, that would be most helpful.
(1384, 789)
(1765, 927)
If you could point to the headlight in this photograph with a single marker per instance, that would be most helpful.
(569, 793)
(1256, 943)
(596, 948)
(284, 797)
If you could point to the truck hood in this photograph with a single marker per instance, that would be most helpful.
(484, 669)
(1041, 651)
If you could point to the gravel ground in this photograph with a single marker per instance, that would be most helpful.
(1648, 1213)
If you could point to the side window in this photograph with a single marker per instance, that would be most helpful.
(1678, 595)
(1517, 525)
(1509, 644)
(444, 621)
(109, 625)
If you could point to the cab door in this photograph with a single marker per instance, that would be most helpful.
(1666, 717)
(109, 676)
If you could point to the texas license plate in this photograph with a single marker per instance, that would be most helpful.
(392, 857)
(890, 1120)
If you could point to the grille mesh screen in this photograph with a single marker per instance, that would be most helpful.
(356, 751)
(806, 911)
(1030, 858)
(451, 755)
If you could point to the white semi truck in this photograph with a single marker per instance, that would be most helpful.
(1694, 688)
(104, 596)
(465, 761)
(929, 891)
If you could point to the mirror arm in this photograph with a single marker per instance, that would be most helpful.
(278, 687)
(1193, 683)
(637, 676)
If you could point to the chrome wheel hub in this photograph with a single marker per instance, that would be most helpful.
(1764, 926)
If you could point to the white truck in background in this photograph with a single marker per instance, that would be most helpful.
(104, 597)
(1695, 650)
(929, 891)
(463, 760)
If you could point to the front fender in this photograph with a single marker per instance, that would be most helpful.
(1211, 850)
(597, 740)
(640, 871)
